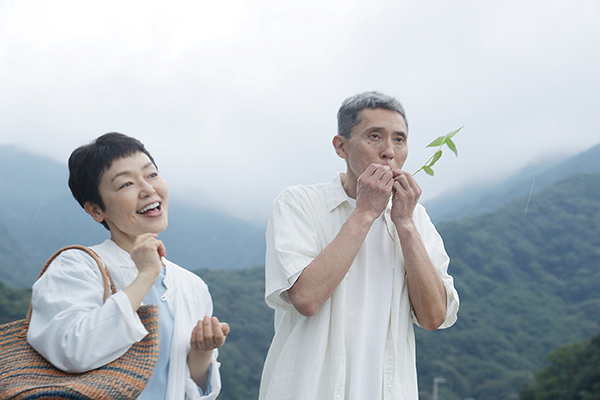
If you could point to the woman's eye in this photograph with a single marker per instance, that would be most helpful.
(153, 175)
(126, 184)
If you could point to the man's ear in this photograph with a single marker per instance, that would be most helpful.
(94, 210)
(339, 143)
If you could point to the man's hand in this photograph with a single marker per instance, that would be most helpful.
(425, 287)
(373, 189)
(405, 198)
(323, 275)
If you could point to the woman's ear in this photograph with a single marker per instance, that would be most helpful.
(338, 143)
(94, 210)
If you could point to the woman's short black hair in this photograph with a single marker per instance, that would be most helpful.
(87, 164)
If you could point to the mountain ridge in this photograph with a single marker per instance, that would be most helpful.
(480, 198)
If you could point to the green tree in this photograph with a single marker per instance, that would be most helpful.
(573, 374)
(238, 298)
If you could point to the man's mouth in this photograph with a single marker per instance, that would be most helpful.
(149, 207)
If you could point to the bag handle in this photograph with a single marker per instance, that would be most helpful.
(106, 278)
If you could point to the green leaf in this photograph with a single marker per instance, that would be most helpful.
(452, 146)
(436, 157)
(437, 142)
(451, 134)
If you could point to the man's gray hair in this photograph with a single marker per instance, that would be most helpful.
(349, 113)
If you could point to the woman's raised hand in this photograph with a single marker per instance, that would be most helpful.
(147, 252)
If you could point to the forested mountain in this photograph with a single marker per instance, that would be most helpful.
(16, 265)
(238, 298)
(528, 276)
(473, 200)
(573, 373)
(40, 216)
(13, 303)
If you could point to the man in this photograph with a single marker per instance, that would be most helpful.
(351, 265)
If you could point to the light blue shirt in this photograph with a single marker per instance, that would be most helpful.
(156, 388)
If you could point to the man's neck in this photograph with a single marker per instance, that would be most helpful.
(349, 184)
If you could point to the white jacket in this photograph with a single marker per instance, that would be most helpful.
(74, 330)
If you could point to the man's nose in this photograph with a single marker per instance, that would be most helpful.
(387, 152)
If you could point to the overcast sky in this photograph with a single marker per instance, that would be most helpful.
(237, 99)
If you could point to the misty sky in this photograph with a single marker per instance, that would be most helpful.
(237, 99)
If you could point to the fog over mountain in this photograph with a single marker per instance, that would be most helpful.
(237, 99)
(485, 197)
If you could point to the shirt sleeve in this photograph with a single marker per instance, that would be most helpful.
(213, 387)
(435, 248)
(187, 314)
(291, 244)
(208, 385)
(70, 325)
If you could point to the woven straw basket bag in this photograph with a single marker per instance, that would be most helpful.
(25, 374)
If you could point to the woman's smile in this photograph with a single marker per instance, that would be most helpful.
(151, 210)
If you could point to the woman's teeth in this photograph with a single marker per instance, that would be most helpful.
(148, 207)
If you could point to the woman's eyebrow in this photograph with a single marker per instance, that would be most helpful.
(122, 173)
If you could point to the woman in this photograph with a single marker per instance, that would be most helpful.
(116, 181)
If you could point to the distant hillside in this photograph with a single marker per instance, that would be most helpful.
(16, 265)
(238, 298)
(473, 200)
(14, 303)
(39, 213)
(528, 282)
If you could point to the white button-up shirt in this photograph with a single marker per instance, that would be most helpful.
(307, 358)
(74, 330)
